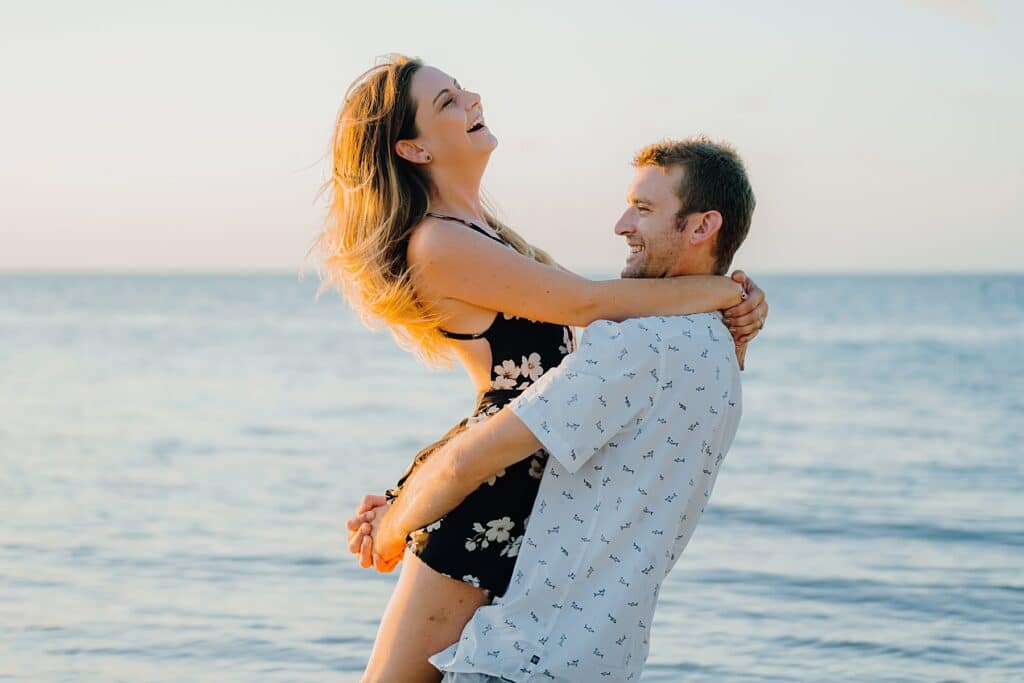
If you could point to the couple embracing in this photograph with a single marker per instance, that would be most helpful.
(533, 537)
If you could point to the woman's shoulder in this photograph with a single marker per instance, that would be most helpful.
(443, 241)
(433, 234)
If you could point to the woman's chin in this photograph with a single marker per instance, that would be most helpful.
(489, 141)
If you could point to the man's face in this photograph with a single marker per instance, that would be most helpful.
(649, 223)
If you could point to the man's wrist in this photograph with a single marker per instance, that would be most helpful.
(390, 535)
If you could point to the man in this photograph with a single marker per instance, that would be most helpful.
(636, 421)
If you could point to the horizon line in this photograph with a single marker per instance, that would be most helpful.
(595, 272)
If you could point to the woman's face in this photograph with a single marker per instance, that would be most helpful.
(450, 120)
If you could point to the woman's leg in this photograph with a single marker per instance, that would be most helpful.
(425, 615)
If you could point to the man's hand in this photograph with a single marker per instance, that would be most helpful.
(369, 537)
(746, 318)
(388, 544)
(360, 527)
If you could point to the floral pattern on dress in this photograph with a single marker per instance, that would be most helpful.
(536, 467)
(531, 370)
(505, 376)
(496, 531)
(568, 342)
(493, 479)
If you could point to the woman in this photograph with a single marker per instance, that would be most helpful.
(410, 243)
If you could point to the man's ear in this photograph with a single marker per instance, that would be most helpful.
(710, 223)
(410, 151)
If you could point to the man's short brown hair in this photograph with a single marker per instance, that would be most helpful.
(714, 179)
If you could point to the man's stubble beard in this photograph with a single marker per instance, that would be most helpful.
(640, 273)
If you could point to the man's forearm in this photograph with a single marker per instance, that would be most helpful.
(456, 469)
(433, 490)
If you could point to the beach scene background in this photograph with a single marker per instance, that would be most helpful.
(185, 426)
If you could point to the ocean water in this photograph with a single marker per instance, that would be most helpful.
(178, 455)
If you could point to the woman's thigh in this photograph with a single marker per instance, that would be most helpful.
(425, 615)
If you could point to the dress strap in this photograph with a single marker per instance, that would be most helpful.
(462, 336)
(466, 336)
(468, 224)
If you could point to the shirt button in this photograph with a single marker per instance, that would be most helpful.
(534, 659)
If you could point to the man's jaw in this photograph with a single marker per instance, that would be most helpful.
(634, 257)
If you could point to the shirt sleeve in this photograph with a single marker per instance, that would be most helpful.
(598, 391)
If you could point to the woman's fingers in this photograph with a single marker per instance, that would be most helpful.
(740, 309)
(742, 335)
(752, 319)
(749, 323)
(754, 299)
(741, 277)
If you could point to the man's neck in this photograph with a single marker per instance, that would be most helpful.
(693, 263)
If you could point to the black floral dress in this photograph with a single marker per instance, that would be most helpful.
(478, 541)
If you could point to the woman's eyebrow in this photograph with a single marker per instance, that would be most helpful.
(446, 90)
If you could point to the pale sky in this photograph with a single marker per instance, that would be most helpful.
(879, 136)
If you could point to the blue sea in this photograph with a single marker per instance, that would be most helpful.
(178, 454)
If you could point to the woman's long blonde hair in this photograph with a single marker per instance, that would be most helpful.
(376, 199)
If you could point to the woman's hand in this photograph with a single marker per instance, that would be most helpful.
(746, 318)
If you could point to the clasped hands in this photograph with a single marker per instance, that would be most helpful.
(372, 537)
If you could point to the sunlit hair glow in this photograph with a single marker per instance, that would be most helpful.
(375, 200)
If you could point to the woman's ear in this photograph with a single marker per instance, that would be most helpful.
(410, 151)
(710, 222)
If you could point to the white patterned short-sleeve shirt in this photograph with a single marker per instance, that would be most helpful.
(637, 422)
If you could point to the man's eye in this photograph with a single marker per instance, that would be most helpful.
(447, 102)
(643, 210)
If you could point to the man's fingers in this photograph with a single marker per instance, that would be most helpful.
(370, 501)
(385, 566)
(355, 541)
(354, 523)
(366, 553)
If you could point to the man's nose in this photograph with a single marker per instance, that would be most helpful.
(625, 225)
